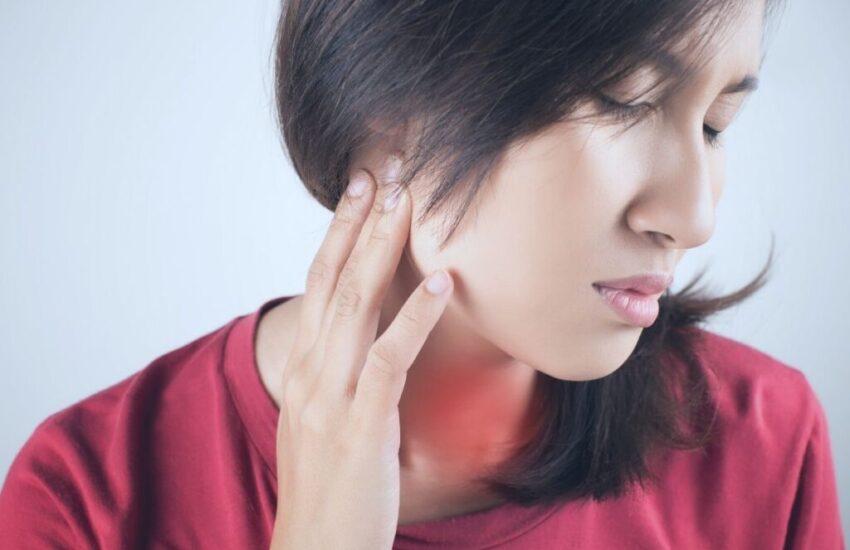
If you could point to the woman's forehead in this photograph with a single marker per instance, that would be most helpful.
(733, 51)
(731, 56)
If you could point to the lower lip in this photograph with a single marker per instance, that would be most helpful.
(632, 307)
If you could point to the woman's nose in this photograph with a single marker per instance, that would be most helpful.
(677, 201)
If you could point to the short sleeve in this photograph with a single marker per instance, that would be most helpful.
(31, 500)
(815, 520)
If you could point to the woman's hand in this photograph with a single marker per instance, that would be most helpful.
(338, 433)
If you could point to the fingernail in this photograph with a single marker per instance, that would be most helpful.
(357, 185)
(393, 169)
(437, 282)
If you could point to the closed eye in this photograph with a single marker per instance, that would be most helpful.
(632, 113)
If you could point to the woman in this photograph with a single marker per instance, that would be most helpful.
(539, 396)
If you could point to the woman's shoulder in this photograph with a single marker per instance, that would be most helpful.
(142, 392)
(755, 384)
(82, 459)
(767, 414)
(768, 469)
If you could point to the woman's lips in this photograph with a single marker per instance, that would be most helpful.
(632, 306)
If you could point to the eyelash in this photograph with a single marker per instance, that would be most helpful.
(628, 112)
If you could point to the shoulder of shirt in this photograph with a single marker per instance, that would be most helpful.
(758, 394)
(80, 447)
(68, 429)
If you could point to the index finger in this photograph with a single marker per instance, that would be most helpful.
(349, 217)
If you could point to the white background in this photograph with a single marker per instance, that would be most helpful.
(145, 199)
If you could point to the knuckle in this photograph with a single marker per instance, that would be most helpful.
(409, 321)
(342, 222)
(349, 302)
(313, 416)
(409, 324)
(383, 360)
(294, 391)
(348, 271)
(318, 273)
(380, 236)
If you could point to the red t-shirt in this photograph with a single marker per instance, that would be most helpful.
(182, 455)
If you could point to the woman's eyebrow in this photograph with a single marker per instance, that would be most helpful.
(670, 64)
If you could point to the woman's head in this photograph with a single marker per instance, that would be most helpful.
(529, 183)
(515, 93)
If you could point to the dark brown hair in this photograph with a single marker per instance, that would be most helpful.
(473, 78)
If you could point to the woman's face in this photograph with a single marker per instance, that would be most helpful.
(578, 204)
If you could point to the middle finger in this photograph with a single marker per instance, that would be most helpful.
(353, 319)
(386, 176)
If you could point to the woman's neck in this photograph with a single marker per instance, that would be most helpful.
(466, 405)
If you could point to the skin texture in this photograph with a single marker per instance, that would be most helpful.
(573, 205)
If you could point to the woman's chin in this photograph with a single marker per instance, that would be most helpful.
(607, 355)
